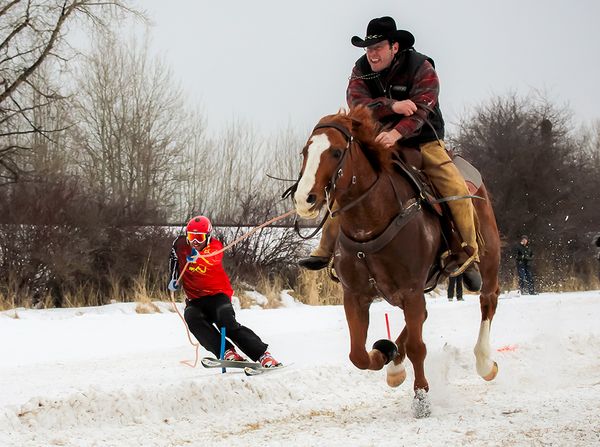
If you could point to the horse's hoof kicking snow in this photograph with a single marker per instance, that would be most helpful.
(421, 405)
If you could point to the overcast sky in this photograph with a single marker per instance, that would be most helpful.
(273, 62)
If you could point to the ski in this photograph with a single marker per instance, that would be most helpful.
(257, 371)
(209, 362)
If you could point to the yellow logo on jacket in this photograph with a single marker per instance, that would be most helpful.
(197, 269)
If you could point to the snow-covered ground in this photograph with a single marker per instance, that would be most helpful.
(109, 376)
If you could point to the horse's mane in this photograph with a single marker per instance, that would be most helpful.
(363, 127)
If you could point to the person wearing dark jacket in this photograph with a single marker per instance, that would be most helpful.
(524, 258)
(208, 291)
(401, 87)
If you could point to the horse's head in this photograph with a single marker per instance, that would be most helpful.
(322, 158)
(325, 153)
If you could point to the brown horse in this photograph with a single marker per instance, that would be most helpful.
(387, 245)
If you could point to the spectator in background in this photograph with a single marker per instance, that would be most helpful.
(597, 244)
(455, 284)
(524, 258)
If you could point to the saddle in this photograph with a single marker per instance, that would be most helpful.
(408, 162)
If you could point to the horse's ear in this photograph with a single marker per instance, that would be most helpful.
(356, 124)
(360, 116)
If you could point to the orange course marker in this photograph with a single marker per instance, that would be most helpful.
(507, 348)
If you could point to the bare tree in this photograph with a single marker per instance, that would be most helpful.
(284, 156)
(537, 171)
(33, 34)
(527, 172)
(131, 131)
(196, 170)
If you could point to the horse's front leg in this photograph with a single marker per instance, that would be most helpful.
(357, 316)
(415, 315)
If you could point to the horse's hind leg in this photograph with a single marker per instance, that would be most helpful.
(489, 266)
(488, 300)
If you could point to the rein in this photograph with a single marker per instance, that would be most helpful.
(339, 171)
(331, 185)
(407, 212)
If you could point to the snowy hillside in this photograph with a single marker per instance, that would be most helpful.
(111, 377)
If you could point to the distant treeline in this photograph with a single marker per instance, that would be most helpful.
(96, 147)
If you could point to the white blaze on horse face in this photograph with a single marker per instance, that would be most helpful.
(318, 144)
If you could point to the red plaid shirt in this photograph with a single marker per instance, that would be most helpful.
(425, 90)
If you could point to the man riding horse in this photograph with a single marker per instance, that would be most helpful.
(401, 88)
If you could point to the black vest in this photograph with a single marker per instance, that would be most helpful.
(396, 82)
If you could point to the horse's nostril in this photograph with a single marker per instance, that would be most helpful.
(312, 198)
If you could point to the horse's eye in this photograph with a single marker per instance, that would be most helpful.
(336, 153)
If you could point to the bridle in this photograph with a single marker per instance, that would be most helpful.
(338, 172)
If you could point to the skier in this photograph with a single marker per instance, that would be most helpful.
(208, 295)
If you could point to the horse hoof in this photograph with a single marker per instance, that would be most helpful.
(396, 374)
(421, 405)
(387, 347)
(492, 375)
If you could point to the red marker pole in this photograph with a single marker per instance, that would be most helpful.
(387, 325)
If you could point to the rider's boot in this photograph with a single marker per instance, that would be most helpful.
(448, 180)
(468, 266)
(320, 257)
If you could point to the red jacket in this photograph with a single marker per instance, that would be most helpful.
(204, 277)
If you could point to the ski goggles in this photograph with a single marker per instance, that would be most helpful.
(198, 237)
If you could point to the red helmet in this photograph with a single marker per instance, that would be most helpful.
(198, 228)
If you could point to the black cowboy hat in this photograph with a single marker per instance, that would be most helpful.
(384, 28)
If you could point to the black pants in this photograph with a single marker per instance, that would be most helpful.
(526, 284)
(201, 316)
(455, 283)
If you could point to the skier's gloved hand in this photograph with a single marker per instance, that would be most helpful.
(193, 257)
(173, 286)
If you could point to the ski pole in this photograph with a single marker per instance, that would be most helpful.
(223, 370)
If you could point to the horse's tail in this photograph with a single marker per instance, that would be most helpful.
(482, 192)
(478, 235)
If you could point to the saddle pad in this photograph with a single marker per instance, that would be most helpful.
(469, 172)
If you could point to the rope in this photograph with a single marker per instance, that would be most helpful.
(242, 237)
(237, 241)
(187, 330)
